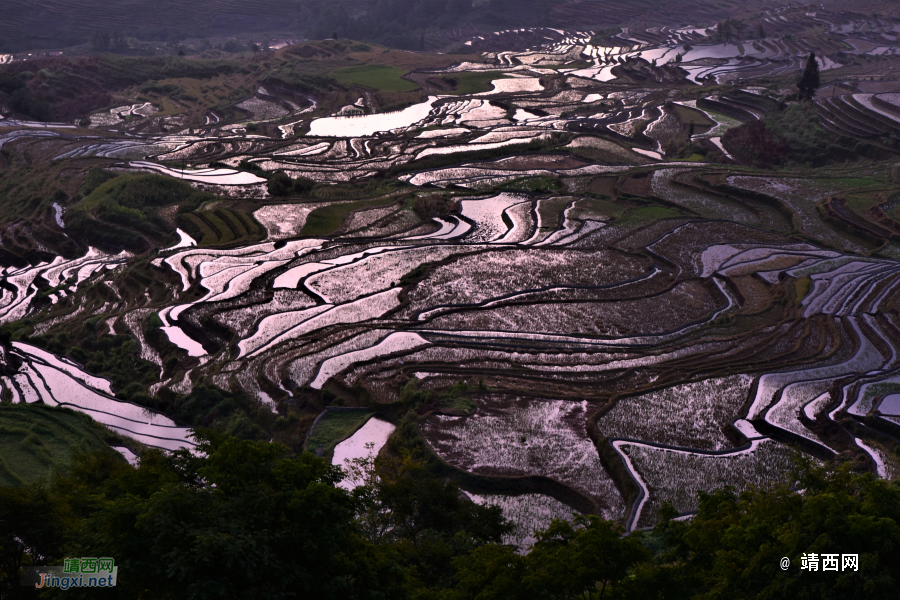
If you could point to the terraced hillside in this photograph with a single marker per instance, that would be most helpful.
(574, 276)
(83, 25)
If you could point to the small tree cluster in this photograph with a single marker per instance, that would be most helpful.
(281, 184)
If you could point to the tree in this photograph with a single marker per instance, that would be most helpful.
(756, 144)
(24, 102)
(100, 41)
(809, 81)
(233, 46)
(241, 520)
(303, 185)
(492, 572)
(424, 521)
(31, 533)
(280, 184)
(581, 559)
(724, 30)
(733, 547)
(578, 560)
(118, 42)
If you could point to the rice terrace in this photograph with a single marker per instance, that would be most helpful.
(570, 259)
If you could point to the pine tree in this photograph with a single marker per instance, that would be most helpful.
(809, 82)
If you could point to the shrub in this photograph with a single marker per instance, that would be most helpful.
(280, 184)
(23, 101)
(754, 143)
(95, 178)
(303, 185)
(9, 83)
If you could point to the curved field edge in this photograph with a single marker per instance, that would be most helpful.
(38, 442)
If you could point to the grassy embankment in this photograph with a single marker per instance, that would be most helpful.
(124, 210)
(326, 219)
(334, 427)
(377, 77)
(473, 83)
(37, 442)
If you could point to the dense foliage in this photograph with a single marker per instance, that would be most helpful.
(116, 357)
(250, 520)
(756, 144)
(281, 184)
(809, 82)
(793, 136)
(123, 211)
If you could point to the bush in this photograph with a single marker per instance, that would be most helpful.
(280, 184)
(303, 185)
(799, 127)
(233, 46)
(212, 407)
(23, 101)
(10, 84)
(246, 165)
(754, 143)
(427, 207)
(95, 178)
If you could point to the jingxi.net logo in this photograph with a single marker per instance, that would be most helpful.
(75, 572)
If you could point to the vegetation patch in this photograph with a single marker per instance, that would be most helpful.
(116, 357)
(475, 82)
(127, 208)
(327, 219)
(37, 442)
(544, 183)
(334, 427)
(377, 77)
(645, 214)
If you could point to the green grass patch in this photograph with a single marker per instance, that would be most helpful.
(544, 183)
(550, 209)
(597, 207)
(802, 287)
(647, 214)
(473, 83)
(701, 122)
(695, 157)
(198, 228)
(377, 77)
(325, 220)
(233, 222)
(861, 204)
(225, 233)
(454, 399)
(220, 226)
(38, 442)
(123, 210)
(334, 427)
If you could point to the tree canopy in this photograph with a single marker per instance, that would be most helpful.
(249, 519)
(809, 81)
